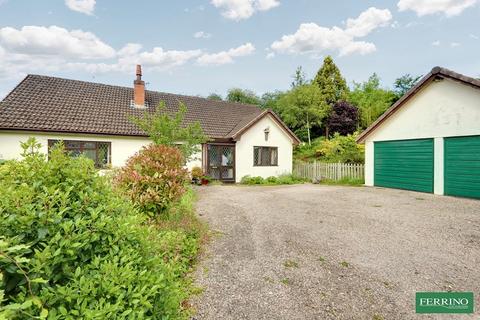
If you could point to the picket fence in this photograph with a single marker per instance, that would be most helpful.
(317, 171)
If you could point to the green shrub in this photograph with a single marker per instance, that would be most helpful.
(252, 180)
(196, 173)
(154, 178)
(281, 179)
(342, 149)
(271, 179)
(289, 179)
(71, 248)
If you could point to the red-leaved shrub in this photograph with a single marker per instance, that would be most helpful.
(154, 178)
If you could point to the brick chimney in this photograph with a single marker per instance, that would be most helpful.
(139, 89)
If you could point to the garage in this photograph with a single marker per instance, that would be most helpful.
(462, 166)
(404, 164)
(429, 140)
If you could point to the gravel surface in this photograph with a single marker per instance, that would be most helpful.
(328, 252)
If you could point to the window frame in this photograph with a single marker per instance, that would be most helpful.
(269, 148)
(82, 148)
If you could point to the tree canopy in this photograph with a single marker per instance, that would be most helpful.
(302, 109)
(215, 96)
(403, 84)
(331, 82)
(343, 118)
(371, 99)
(166, 129)
(242, 96)
(299, 78)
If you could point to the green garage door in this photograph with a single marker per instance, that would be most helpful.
(462, 166)
(404, 164)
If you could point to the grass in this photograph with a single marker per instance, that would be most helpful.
(322, 259)
(344, 182)
(268, 279)
(185, 236)
(182, 217)
(290, 264)
(345, 264)
(285, 281)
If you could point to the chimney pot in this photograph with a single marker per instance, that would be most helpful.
(139, 88)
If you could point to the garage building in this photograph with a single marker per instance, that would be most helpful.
(429, 140)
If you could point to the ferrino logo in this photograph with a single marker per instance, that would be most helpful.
(444, 302)
(450, 303)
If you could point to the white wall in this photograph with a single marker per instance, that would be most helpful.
(255, 136)
(442, 109)
(122, 147)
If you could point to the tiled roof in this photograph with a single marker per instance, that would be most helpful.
(41, 103)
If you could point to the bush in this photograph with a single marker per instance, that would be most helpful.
(282, 179)
(342, 149)
(71, 248)
(154, 178)
(197, 173)
(271, 179)
(252, 180)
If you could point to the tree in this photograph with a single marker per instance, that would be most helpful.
(169, 130)
(299, 78)
(269, 100)
(302, 108)
(344, 118)
(215, 96)
(331, 83)
(371, 100)
(403, 84)
(242, 96)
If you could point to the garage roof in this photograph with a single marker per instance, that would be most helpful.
(436, 73)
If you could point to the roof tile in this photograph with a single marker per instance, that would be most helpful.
(61, 105)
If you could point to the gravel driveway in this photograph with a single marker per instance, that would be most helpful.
(327, 252)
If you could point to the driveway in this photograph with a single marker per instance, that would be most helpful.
(328, 252)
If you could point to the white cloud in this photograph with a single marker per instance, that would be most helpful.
(436, 43)
(243, 9)
(454, 44)
(265, 5)
(313, 39)
(202, 35)
(225, 57)
(425, 7)
(38, 49)
(54, 41)
(367, 21)
(471, 35)
(270, 55)
(165, 59)
(83, 6)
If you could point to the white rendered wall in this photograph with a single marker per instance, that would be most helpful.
(122, 147)
(445, 108)
(255, 137)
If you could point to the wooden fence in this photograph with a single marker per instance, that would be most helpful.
(317, 171)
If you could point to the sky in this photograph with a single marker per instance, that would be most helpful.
(198, 47)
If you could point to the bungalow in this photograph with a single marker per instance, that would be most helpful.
(94, 119)
(429, 140)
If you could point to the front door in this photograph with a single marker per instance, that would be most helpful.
(221, 162)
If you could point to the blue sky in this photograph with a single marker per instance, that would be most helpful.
(204, 46)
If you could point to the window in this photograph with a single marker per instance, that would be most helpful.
(265, 156)
(99, 152)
